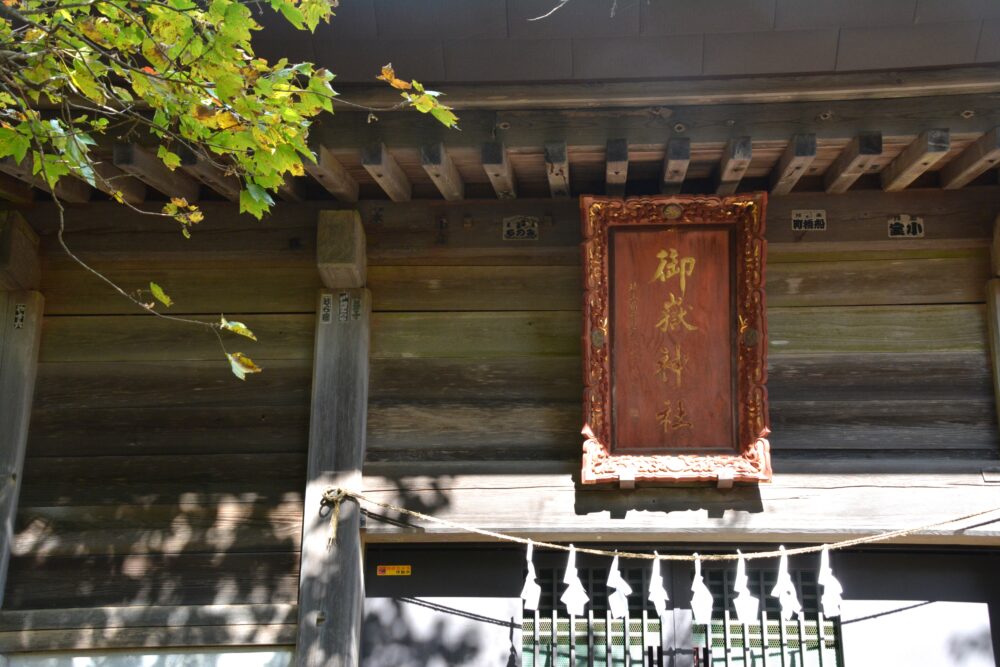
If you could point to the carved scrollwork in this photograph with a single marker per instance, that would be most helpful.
(752, 461)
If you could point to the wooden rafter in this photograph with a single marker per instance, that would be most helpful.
(616, 167)
(382, 166)
(557, 168)
(735, 161)
(144, 165)
(210, 174)
(68, 189)
(926, 151)
(676, 159)
(499, 170)
(794, 162)
(978, 157)
(857, 158)
(331, 174)
(442, 171)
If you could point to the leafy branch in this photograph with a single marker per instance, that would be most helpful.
(181, 74)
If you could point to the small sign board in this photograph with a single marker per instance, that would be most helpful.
(804, 220)
(326, 309)
(520, 228)
(906, 227)
(393, 571)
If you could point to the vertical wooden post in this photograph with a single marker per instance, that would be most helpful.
(993, 311)
(331, 580)
(20, 335)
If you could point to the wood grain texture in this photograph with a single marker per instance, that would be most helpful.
(340, 249)
(62, 639)
(331, 582)
(546, 503)
(145, 166)
(19, 264)
(979, 156)
(442, 171)
(20, 331)
(993, 325)
(859, 156)
(793, 164)
(499, 170)
(926, 151)
(676, 160)
(331, 174)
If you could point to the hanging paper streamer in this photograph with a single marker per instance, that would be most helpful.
(618, 600)
(701, 598)
(531, 591)
(574, 597)
(746, 604)
(832, 590)
(784, 590)
(657, 593)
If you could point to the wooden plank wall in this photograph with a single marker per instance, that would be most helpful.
(155, 479)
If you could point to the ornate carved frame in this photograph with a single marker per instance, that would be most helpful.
(752, 462)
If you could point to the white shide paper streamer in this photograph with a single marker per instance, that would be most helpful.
(784, 590)
(701, 597)
(832, 590)
(574, 597)
(618, 599)
(531, 591)
(746, 604)
(657, 593)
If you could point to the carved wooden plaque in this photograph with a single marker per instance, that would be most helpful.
(675, 340)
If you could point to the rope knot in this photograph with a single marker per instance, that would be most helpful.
(334, 496)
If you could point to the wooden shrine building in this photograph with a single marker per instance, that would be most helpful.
(418, 300)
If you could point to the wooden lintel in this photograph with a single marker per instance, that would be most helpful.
(794, 162)
(331, 174)
(995, 249)
(499, 170)
(993, 324)
(616, 167)
(676, 160)
(979, 156)
(857, 158)
(331, 577)
(915, 159)
(144, 165)
(557, 168)
(735, 161)
(68, 189)
(341, 249)
(15, 191)
(20, 268)
(442, 171)
(109, 179)
(211, 174)
(382, 166)
(292, 189)
(20, 338)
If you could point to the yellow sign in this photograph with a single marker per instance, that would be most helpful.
(393, 571)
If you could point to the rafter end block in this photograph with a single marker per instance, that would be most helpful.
(19, 265)
(341, 254)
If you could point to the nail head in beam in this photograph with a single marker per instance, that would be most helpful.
(212, 175)
(499, 170)
(110, 179)
(794, 162)
(20, 268)
(925, 151)
(382, 166)
(68, 188)
(15, 191)
(557, 168)
(675, 165)
(616, 167)
(340, 249)
(979, 156)
(735, 161)
(857, 158)
(331, 174)
(442, 171)
(144, 165)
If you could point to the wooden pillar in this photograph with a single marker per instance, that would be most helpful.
(993, 311)
(20, 334)
(331, 580)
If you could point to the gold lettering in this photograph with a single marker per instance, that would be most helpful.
(671, 421)
(671, 364)
(671, 264)
(674, 315)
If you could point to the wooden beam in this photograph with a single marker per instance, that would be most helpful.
(382, 166)
(499, 170)
(995, 249)
(20, 337)
(15, 191)
(439, 166)
(20, 268)
(292, 189)
(915, 159)
(675, 165)
(615, 167)
(68, 189)
(792, 165)
(144, 165)
(979, 156)
(735, 161)
(331, 174)
(557, 168)
(341, 249)
(331, 578)
(210, 174)
(110, 179)
(856, 158)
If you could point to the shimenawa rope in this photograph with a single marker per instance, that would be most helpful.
(334, 496)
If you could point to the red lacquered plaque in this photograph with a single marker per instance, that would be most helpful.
(675, 340)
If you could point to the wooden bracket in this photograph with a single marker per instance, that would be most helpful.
(19, 265)
(340, 249)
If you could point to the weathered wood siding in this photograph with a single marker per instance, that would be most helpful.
(154, 477)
